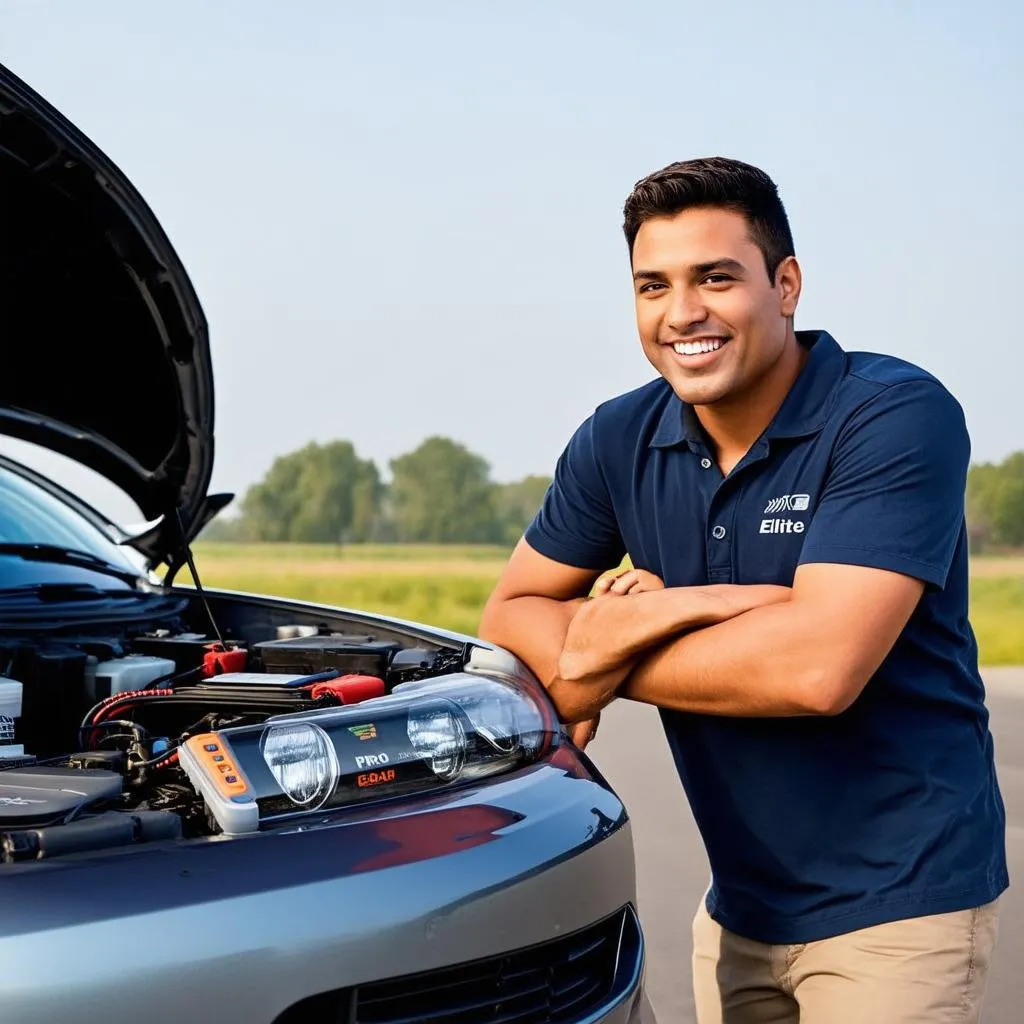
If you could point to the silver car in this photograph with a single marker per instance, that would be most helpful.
(229, 807)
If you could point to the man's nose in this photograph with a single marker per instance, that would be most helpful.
(685, 310)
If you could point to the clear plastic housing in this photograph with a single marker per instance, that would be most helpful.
(437, 734)
(302, 760)
(424, 735)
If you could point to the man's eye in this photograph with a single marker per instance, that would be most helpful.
(716, 279)
(650, 286)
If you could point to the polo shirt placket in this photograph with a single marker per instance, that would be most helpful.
(720, 529)
(723, 496)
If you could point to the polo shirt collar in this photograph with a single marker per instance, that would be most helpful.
(805, 409)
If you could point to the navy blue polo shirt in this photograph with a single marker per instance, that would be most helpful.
(814, 826)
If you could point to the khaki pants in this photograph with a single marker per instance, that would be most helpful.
(931, 970)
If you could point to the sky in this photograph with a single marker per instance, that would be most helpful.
(404, 218)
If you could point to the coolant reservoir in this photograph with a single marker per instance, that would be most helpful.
(131, 672)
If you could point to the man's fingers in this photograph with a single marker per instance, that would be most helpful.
(631, 581)
(583, 732)
(625, 583)
(611, 584)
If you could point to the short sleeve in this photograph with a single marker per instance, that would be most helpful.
(894, 495)
(576, 523)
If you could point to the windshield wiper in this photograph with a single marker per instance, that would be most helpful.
(68, 556)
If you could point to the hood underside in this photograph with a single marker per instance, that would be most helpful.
(105, 347)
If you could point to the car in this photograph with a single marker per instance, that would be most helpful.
(226, 806)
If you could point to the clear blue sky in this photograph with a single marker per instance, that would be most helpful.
(403, 218)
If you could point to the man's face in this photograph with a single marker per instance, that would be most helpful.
(711, 322)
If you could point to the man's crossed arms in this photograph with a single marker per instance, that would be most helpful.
(724, 649)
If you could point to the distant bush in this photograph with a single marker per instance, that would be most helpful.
(995, 504)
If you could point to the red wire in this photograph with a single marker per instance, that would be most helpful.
(114, 703)
(120, 703)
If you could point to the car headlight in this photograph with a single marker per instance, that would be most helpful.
(438, 735)
(302, 760)
(506, 724)
(425, 735)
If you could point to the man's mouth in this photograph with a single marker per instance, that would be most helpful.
(698, 346)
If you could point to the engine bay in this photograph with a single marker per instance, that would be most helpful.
(91, 726)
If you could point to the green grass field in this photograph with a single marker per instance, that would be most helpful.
(448, 585)
(441, 585)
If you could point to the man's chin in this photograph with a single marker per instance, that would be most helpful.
(697, 391)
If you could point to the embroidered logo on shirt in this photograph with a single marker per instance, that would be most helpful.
(785, 503)
(788, 503)
(781, 526)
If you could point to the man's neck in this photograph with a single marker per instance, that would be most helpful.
(734, 426)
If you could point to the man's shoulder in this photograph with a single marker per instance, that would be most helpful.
(889, 401)
(880, 379)
(627, 416)
(609, 442)
(878, 371)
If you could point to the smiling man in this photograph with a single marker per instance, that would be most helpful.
(799, 616)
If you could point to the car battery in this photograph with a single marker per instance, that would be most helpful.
(350, 654)
(186, 650)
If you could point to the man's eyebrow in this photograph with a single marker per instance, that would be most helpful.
(697, 270)
(725, 263)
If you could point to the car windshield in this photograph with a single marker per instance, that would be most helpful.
(29, 515)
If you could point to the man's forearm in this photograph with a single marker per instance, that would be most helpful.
(761, 663)
(583, 651)
(534, 629)
(610, 633)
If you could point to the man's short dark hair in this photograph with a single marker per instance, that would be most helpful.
(718, 182)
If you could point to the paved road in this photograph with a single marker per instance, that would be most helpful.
(672, 870)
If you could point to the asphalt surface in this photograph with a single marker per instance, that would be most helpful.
(672, 870)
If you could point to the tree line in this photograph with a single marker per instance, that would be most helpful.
(439, 493)
(442, 493)
(995, 504)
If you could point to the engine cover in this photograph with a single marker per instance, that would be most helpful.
(41, 796)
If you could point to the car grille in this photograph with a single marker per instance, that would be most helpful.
(563, 981)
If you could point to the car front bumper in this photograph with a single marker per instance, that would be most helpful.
(248, 929)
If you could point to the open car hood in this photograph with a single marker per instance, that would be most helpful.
(106, 354)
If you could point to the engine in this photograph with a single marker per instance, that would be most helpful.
(90, 729)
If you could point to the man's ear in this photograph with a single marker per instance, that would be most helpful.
(788, 281)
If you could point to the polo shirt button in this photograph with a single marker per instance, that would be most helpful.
(718, 532)
(705, 463)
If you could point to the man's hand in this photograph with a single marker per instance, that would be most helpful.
(529, 613)
(581, 733)
(629, 581)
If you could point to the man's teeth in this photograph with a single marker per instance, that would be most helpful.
(694, 348)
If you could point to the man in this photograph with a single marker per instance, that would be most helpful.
(809, 652)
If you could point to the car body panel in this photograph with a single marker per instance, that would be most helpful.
(254, 925)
